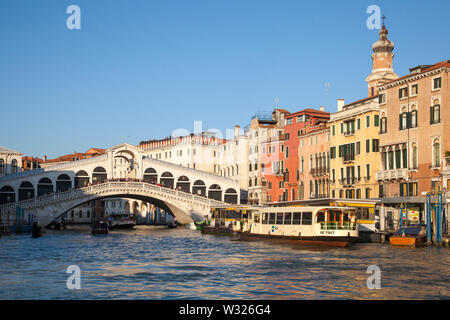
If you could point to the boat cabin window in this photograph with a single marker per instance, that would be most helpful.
(321, 217)
(287, 218)
(296, 218)
(272, 218)
(307, 218)
(279, 218)
(265, 218)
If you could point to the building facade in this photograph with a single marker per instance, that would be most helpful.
(354, 149)
(414, 139)
(314, 162)
(10, 161)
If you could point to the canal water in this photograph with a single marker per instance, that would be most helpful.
(157, 263)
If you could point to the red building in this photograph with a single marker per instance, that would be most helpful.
(281, 174)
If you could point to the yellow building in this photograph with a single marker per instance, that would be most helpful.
(355, 131)
(354, 144)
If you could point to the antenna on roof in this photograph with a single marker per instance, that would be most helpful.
(276, 102)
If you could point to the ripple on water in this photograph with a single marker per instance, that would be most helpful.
(156, 263)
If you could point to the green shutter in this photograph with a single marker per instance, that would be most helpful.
(358, 123)
(400, 121)
(377, 120)
(408, 120)
(431, 114)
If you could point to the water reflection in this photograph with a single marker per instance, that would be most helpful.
(156, 263)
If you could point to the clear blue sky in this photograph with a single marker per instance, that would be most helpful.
(140, 69)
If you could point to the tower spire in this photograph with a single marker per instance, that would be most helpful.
(382, 62)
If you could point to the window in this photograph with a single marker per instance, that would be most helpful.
(375, 145)
(367, 171)
(333, 130)
(286, 136)
(376, 120)
(358, 123)
(358, 147)
(414, 89)
(307, 218)
(413, 119)
(403, 93)
(382, 98)
(287, 152)
(367, 193)
(14, 166)
(437, 83)
(397, 159)
(405, 158)
(287, 218)
(414, 156)
(436, 153)
(408, 189)
(333, 152)
(279, 218)
(272, 218)
(383, 125)
(265, 218)
(367, 121)
(296, 218)
(367, 145)
(435, 114)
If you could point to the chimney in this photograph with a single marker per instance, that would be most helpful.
(322, 108)
(45, 158)
(340, 104)
(236, 131)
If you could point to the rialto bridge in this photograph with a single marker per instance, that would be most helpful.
(122, 172)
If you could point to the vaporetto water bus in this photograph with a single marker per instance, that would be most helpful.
(330, 226)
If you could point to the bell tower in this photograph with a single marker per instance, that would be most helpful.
(382, 62)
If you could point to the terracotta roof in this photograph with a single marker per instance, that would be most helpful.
(445, 64)
(309, 110)
(28, 158)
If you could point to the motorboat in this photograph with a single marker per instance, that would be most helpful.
(412, 236)
(121, 221)
(100, 227)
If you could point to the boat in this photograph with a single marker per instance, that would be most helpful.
(121, 221)
(100, 227)
(224, 221)
(412, 236)
(322, 226)
(199, 224)
(36, 231)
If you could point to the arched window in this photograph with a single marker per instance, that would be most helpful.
(14, 166)
(435, 112)
(403, 119)
(383, 125)
(414, 156)
(413, 117)
(436, 153)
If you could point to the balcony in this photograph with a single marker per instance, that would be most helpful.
(349, 133)
(318, 171)
(394, 174)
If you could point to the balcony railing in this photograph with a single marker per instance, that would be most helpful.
(318, 171)
(394, 174)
